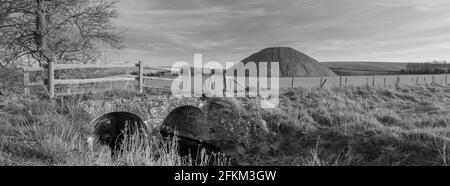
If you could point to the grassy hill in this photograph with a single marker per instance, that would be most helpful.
(365, 68)
(292, 63)
(339, 126)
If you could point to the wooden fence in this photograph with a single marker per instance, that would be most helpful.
(165, 83)
(51, 82)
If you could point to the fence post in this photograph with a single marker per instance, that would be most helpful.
(323, 83)
(51, 78)
(345, 81)
(446, 79)
(384, 82)
(367, 82)
(141, 77)
(398, 81)
(417, 80)
(320, 84)
(26, 81)
(292, 83)
(373, 81)
(111, 85)
(340, 80)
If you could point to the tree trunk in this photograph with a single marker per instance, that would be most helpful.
(41, 29)
(41, 41)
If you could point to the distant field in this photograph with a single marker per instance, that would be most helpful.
(284, 82)
(366, 68)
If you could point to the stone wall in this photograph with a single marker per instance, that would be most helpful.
(151, 109)
(229, 125)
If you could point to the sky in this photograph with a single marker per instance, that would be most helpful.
(162, 32)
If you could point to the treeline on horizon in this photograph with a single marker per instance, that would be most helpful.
(427, 68)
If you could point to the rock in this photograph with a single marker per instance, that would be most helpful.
(154, 111)
(262, 126)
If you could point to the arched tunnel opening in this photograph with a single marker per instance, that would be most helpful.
(190, 125)
(111, 128)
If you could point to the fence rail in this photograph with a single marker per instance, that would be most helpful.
(114, 79)
(165, 83)
(96, 80)
(88, 66)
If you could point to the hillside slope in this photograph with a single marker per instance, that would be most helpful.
(365, 68)
(291, 62)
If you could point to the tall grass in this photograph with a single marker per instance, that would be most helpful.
(157, 151)
(408, 125)
(35, 131)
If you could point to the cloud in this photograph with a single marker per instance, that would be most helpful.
(164, 31)
(418, 5)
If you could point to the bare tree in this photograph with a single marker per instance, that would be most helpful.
(66, 31)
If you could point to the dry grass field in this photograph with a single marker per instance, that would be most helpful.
(365, 68)
(409, 125)
(36, 131)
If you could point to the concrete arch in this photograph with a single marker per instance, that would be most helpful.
(189, 120)
(111, 128)
(151, 110)
(158, 114)
(193, 130)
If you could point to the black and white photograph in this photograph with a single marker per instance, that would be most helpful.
(224, 83)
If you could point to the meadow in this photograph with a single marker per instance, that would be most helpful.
(365, 68)
(37, 131)
(376, 80)
(355, 125)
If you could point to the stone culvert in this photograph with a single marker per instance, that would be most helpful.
(111, 128)
(215, 124)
